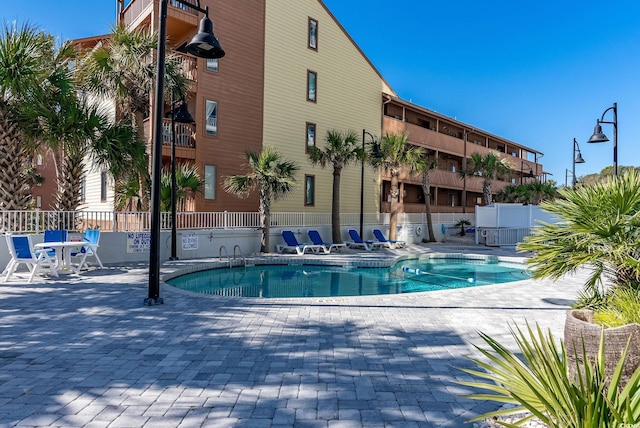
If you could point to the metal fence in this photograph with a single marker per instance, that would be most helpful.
(35, 221)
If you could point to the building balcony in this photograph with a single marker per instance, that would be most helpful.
(185, 138)
(181, 20)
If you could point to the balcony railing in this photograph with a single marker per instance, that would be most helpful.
(184, 134)
(138, 7)
(189, 67)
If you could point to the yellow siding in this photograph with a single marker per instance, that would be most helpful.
(349, 97)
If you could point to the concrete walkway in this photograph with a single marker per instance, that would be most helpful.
(82, 350)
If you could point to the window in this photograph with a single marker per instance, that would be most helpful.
(312, 78)
(103, 187)
(209, 181)
(309, 189)
(38, 201)
(83, 189)
(313, 34)
(213, 64)
(39, 159)
(211, 117)
(311, 136)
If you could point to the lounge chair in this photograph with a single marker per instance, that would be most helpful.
(390, 243)
(357, 242)
(54, 236)
(88, 248)
(315, 237)
(291, 244)
(21, 251)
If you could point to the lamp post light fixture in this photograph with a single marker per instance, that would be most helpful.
(182, 116)
(576, 159)
(203, 45)
(530, 174)
(599, 137)
(375, 145)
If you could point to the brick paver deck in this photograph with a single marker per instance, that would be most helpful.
(84, 351)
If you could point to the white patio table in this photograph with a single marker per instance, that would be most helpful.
(61, 248)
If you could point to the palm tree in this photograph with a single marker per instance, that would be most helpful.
(74, 131)
(489, 167)
(122, 69)
(542, 192)
(395, 154)
(427, 164)
(269, 174)
(598, 228)
(340, 150)
(188, 183)
(25, 56)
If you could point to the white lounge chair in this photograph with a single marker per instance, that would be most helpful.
(389, 243)
(292, 245)
(357, 242)
(315, 237)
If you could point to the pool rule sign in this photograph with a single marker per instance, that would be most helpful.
(189, 241)
(138, 242)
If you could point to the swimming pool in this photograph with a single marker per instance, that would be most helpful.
(406, 276)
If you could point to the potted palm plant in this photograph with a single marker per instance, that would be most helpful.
(599, 229)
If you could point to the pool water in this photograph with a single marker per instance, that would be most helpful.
(408, 276)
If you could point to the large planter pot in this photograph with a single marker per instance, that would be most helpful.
(579, 328)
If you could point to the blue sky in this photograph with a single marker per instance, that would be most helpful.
(539, 74)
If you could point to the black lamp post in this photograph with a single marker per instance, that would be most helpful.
(204, 45)
(599, 137)
(375, 145)
(576, 159)
(530, 174)
(182, 116)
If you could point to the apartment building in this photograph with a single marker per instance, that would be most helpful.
(452, 142)
(291, 73)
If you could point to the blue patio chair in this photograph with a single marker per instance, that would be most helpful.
(88, 248)
(390, 243)
(315, 237)
(291, 244)
(357, 242)
(21, 251)
(54, 236)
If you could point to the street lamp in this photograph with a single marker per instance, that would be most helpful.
(530, 174)
(599, 137)
(375, 145)
(203, 45)
(566, 177)
(182, 116)
(576, 159)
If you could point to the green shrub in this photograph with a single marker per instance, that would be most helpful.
(622, 307)
(539, 383)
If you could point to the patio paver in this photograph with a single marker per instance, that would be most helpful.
(85, 351)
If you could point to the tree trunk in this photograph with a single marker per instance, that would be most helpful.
(486, 192)
(143, 176)
(265, 219)
(15, 191)
(335, 207)
(426, 189)
(393, 218)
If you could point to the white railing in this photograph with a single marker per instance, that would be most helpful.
(504, 237)
(184, 133)
(36, 221)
